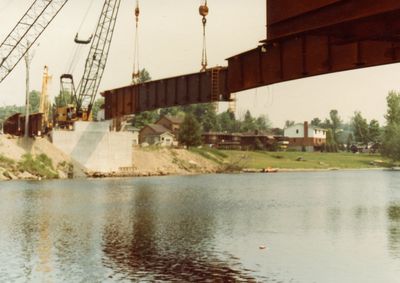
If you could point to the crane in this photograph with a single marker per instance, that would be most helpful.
(44, 105)
(85, 94)
(25, 33)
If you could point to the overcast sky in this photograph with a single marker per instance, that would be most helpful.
(170, 45)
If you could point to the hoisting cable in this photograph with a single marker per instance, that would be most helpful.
(75, 56)
(80, 26)
(203, 10)
(136, 71)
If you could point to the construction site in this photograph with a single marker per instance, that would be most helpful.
(302, 40)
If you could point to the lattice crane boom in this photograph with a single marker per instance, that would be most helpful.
(25, 33)
(97, 58)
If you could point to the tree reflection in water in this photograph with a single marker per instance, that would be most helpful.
(393, 213)
(173, 242)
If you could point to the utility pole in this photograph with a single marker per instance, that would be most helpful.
(27, 65)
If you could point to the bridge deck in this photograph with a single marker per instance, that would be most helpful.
(305, 38)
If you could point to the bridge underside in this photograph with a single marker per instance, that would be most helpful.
(303, 39)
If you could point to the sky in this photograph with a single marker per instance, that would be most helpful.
(170, 39)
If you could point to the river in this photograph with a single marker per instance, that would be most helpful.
(341, 226)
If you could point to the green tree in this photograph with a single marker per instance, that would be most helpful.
(144, 118)
(226, 122)
(248, 124)
(144, 76)
(349, 142)
(190, 131)
(62, 99)
(205, 113)
(330, 141)
(289, 123)
(34, 101)
(374, 131)
(336, 122)
(172, 111)
(316, 122)
(360, 127)
(393, 112)
(391, 142)
(96, 107)
(262, 123)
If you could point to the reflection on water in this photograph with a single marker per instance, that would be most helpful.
(159, 246)
(318, 227)
(394, 229)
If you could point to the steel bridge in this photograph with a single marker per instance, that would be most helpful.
(304, 38)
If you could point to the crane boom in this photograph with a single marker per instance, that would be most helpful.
(97, 58)
(28, 29)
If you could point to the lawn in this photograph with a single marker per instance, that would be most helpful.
(302, 160)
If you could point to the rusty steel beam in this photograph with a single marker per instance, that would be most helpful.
(287, 18)
(304, 57)
(365, 42)
(181, 90)
(305, 38)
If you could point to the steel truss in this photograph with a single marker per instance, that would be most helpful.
(28, 29)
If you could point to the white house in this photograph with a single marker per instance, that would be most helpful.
(305, 137)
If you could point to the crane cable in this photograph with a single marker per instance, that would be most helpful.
(203, 11)
(76, 55)
(136, 72)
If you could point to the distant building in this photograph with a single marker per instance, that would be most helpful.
(240, 141)
(222, 140)
(154, 134)
(171, 123)
(305, 137)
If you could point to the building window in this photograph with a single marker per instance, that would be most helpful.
(297, 131)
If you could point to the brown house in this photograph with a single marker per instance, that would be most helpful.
(156, 135)
(171, 123)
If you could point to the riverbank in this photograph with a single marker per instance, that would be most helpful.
(292, 161)
(39, 159)
(34, 159)
(154, 161)
(157, 161)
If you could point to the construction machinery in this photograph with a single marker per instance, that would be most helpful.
(79, 107)
(44, 103)
(25, 33)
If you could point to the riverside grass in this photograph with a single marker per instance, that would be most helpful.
(298, 160)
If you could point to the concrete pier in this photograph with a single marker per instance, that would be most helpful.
(96, 147)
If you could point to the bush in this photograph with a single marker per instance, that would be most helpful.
(40, 166)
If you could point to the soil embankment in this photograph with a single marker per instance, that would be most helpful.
(34, 159)
(164, 161)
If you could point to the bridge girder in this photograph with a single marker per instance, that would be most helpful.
(304, 38)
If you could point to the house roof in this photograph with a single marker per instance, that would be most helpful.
(173, 119)
(158, 129)
(309, 126)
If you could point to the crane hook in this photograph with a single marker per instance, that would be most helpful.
(203, 11)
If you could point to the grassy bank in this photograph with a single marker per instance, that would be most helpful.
(294, 160)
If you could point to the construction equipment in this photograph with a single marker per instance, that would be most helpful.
(25, 33)
(136, 68)
(44, 104)
(83, 97)
(203, 11)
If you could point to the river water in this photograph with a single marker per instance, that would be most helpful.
(316, 227)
